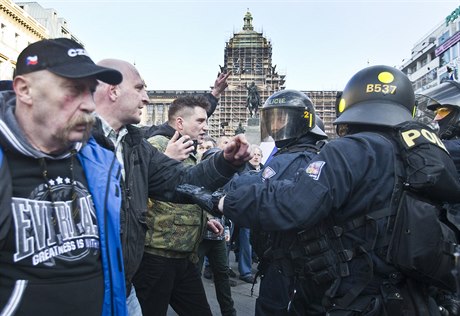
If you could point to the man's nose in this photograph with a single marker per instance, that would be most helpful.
(145, 97)
(88, 104)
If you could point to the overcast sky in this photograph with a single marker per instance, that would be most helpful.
(319, 45)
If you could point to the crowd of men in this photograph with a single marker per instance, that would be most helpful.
(102, 217)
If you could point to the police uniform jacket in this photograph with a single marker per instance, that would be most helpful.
(350, 177)
(453, 146)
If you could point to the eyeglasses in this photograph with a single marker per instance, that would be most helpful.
(442, 113)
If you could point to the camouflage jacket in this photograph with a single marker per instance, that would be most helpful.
(174, 230)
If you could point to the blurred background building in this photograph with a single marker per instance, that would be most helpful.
(248, 56)
(21, 24)
(435, 57)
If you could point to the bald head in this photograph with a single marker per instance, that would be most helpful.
(121, 104)
(122, 66)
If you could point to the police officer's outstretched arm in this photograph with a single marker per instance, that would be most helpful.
(304, 201)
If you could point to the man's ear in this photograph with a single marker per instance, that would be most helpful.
(22, 88)
(114, 92)
(179, 121)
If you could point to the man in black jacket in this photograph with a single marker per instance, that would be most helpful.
(146, 171)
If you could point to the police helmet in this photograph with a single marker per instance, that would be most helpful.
(320, 124)
(423, 114)
(445, 95)
(288, 114)
(377, 95)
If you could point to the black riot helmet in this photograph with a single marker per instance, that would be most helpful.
(288, 114)
(377, 95)
(444, 100)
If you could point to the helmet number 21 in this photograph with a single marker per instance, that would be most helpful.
(378, 87)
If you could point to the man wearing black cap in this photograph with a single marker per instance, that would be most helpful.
(60, 191)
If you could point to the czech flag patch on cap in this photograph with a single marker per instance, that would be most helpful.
(32, 60)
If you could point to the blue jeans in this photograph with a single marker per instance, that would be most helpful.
(245, 253)
(134, 308)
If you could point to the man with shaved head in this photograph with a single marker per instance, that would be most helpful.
(146, 172)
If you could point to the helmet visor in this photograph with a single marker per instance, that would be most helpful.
(422, 113)
(280, 123)
(447, 93)
(442, 112)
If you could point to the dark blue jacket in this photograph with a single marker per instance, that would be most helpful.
(350, 177)
(453, 146)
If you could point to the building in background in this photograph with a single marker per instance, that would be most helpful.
(156, 112)
(49, 18)
(248, 55)
(21, 24)
(435, 57)
(324, 102)
(17, 30)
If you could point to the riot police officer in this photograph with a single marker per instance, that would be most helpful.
(444, 101)
(357, 249)
(288, 118)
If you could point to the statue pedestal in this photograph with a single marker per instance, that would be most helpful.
(253, 130)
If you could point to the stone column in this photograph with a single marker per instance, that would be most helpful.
(253, 131)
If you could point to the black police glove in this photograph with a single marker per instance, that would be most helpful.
(451, 304)
(202, 197)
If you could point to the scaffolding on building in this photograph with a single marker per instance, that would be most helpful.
(248, 56)
(324, 102)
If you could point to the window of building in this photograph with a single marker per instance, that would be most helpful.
(247, 65)
(443, 38)
(16, 40)
(444, 59)
(444, 77)
(454, 52)
(2, 30)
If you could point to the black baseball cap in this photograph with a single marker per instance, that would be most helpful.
(63, 57)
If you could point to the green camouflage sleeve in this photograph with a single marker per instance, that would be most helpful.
(159, 142)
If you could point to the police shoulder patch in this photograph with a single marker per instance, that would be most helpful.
(314, 169)
(268, 173)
